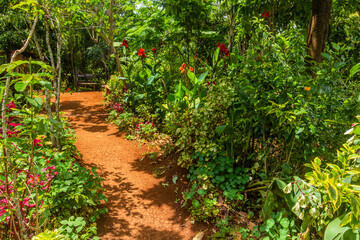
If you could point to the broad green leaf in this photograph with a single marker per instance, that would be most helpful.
(27, 78)
(195, 203)
(139, 96)
(186, 90)
(20, 86)
(355, 206)
(339, 65)
(270, 223)
(179, 93)
(55, 123)
(46, 84)
(35, 102)
(357, 130)
(202, 77)
(335, 46)
(326, 55)
(4, 67)
(290, 198)
(334, 195)
(221, 129)
(151, 80)
(285, 222)
(192, 76)
(201, 192)
(216, 56)
(334, 230)
(346, 220)
(44, 65)
(349, 234)
(353, 70)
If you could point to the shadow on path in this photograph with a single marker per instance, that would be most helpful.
(140, 206)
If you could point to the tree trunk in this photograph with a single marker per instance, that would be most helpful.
(47, 94)
(111, 39)
(318, 28)
(58, 80)
(231, 28)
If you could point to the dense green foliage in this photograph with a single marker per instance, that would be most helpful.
(229, 82)
(39, 185)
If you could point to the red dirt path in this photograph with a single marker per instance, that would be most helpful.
(140, 207)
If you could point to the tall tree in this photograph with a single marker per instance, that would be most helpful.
(318, 28)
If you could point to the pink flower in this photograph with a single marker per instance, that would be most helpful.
(11, 105)
(14, 124)
(36, 142)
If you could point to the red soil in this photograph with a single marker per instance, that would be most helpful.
(140, 205)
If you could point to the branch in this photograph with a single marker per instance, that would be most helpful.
(21, 50)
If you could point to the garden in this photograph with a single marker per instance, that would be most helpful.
(256, 103)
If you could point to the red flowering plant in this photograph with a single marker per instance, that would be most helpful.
(18, 205)
(154, 50)
(125, 44)
(142, 53)
(223, 50)
(30, 191)
(118, 108)
(265, 14)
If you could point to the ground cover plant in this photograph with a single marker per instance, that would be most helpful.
(255, 96)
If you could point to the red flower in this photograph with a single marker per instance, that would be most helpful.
(125, 44)
(224, 49)
(142, 53)
(191, 69)
(154, 50)
(183, 65)
(36, 142)
(265, 14)
(11, 105)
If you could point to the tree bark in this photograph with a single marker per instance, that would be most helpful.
(58, 80)
(111, 39)
(318, 28)
(47, 94)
